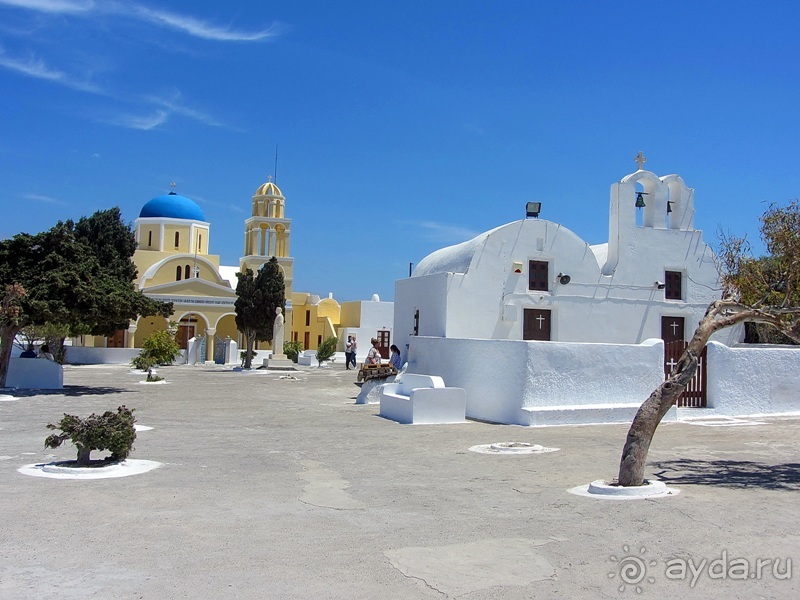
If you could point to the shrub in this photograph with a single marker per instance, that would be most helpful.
(158, 349)
(243, 356)
(326, 349)
(292, 350)
(109, 431)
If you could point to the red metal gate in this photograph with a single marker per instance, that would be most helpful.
(694, 396)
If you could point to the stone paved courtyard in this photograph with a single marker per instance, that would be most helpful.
(281, 488)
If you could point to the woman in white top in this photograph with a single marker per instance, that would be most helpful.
(374, 355)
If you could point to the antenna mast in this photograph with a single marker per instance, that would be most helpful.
(276, 163)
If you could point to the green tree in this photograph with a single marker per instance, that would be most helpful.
(258, 295)
(757, 290)
(326, 349)
(158, 349)
(109, 431)
(76, 275)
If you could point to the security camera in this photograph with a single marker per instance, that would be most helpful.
(660, 285)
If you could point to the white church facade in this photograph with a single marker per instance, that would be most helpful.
(534, 279)
(535, 323)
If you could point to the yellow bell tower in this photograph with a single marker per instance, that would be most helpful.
(267, 234)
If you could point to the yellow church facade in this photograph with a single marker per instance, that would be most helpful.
(174, 265)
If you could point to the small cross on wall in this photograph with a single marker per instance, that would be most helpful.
(640, 160)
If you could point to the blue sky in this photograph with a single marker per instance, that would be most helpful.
(401, 128)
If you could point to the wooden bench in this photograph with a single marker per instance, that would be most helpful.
(382, 371)
(423, 399)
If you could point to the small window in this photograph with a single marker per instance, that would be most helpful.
(319, 340)
(178, 273)
(538, 275)
(177, 239)
(200, 243)
(149, 239)
(308, 318)
(416, 322)
(186, 272)
(673, 289)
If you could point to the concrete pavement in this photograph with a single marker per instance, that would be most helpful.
(282, 488)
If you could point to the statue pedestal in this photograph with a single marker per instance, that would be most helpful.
(279, 362)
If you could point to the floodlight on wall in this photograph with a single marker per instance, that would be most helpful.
(564, 279)
(532, 209)
(640, 199)
(659, 285)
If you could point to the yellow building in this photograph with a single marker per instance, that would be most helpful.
(313, 319)
(174, 265)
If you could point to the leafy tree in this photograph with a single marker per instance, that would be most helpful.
(326, 349)
(109, 431)
(758, 290)
(292, 350)
(77, 275)
(257, 298)
(160, 348)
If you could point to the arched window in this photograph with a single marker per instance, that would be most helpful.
(177, 239)
(186, 272)
(200, 243)
(149, 239)
(178, 273)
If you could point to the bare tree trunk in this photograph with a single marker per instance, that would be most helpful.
(649, 415)
(83, 456)
(248, 357)
(634, 455)
(7, 335)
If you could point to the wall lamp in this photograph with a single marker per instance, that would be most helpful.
(659, 285)
(532, 209)
(564, 279)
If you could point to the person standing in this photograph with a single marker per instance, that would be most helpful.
(349, 352)
(355, 351)
(374, 355)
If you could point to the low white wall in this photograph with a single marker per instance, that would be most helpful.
(754, 380)
(503, 376)
(35, 373)
(78, 355)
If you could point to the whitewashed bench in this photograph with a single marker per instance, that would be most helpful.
(422, 399)
(307, 358)
(35, 373)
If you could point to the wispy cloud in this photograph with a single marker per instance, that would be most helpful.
(198, 28)
(141, 122)
(184, 23)
(38, 69)
(45, 199)
(173, 105)
(53, 6)
(444, 233)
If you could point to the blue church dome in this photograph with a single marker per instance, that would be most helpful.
(172, 206)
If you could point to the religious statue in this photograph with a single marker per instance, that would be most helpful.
(277, 333)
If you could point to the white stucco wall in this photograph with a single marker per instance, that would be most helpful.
(612, 296)
(428, 294)
(757, 380)
(79, 355)
(502, 377)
